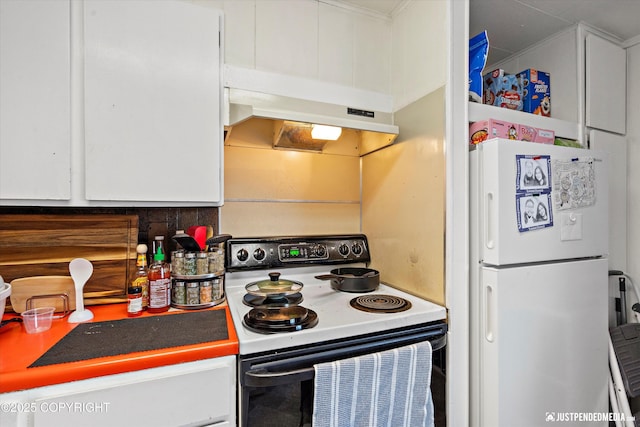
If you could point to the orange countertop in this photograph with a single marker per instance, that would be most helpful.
(18, 350)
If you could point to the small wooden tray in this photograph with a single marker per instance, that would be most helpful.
(27, 287)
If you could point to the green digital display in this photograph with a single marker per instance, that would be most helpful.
(294, 252)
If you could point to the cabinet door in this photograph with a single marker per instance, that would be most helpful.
(35, 100)
(194, 393)
(616, 147)
(153, 125)
(606, 76)
(285, 44)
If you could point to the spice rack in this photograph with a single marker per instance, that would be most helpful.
(197, 277)
(193, 292)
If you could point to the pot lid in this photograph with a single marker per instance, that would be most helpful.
(274, 286)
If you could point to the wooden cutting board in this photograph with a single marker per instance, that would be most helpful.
(39, 286)
(43, 245)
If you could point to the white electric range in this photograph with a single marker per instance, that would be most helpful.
(337, 318)
(338, 330)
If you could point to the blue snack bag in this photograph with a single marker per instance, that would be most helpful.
(478, 51)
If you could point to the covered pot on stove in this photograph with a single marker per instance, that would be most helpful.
(274, 286)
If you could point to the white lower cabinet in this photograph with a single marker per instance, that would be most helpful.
(201, 393)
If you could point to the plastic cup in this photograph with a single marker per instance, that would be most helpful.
(38, 319)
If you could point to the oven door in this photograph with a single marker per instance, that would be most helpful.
(276, 388)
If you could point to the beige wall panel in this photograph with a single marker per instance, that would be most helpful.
(267, 174)
(269, 219)
(403, 201)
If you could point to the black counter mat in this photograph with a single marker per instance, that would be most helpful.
(112, 338)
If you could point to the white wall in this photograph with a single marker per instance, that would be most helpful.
(557, 55)
(633, 147)
(420, 51)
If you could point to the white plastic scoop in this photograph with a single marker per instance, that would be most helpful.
(81, 270)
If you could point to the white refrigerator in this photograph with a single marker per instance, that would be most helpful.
(539, 323)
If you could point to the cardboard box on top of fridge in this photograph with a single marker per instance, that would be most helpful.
(536, 92)
(502, 90)
(482, 130)
(533, 134)
(486, 129)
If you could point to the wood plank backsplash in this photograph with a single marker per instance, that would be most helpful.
(28, 249)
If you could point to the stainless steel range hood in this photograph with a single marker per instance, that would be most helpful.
(296, 103)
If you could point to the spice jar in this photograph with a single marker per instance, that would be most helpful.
(202, 263)
(217, 288)
(190, 264)
(193, 293)
(216, 262)
(179, 292)
(134, 301)
(205, 292)
(177, 262)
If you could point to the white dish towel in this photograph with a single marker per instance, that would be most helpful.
(389, 388)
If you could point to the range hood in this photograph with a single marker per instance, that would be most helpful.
(295, 104)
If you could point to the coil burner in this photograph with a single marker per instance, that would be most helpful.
(378, 303)
(267, 320)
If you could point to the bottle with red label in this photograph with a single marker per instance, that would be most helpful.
(159, 279)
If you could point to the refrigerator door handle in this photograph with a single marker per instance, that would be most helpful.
(488, 217)
(489, 324)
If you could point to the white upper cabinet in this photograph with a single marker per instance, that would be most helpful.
(606, 76)
(152, 99)
(323, 41)
(287, 37)
(588, 83)
(35, 124)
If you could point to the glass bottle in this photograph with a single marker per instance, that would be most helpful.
(141, 278)
(134, 305)
(159, 280)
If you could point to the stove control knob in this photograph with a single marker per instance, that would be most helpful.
(343, 249)
(320, 251)
(259, 254)
(356, 249)
(243, 255)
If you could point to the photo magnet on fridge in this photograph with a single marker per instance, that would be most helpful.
(533, 173)
(533, 211)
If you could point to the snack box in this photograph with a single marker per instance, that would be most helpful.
(502, 90)
(533, 134)
(486, 129)
(536, 92)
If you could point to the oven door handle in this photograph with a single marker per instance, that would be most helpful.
(264, 378)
